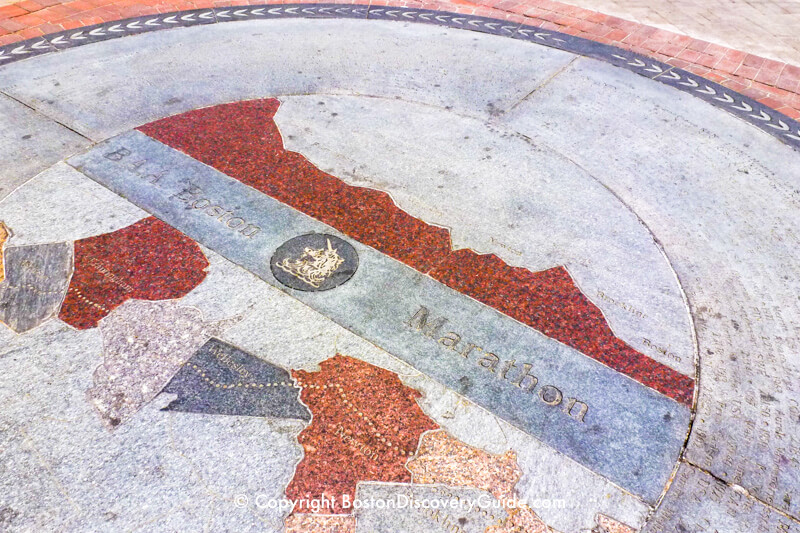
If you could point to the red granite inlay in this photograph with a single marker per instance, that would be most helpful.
(148, 260)
(550, 302)
(243, 141)
(365, 425)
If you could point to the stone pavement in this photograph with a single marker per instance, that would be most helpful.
(344, 269)
(775, 83)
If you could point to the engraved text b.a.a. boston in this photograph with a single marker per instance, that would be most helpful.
(522, 375)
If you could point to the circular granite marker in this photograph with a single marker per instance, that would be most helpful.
(314, 262)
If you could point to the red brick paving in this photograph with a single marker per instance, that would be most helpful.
(770, 82)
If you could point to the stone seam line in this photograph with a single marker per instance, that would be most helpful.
(769, 82)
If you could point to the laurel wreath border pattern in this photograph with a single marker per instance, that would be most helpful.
(763, 117)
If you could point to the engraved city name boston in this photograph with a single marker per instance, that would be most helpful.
(194, 198)
(520, 376)
(192, 195)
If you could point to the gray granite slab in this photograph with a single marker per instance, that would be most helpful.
(722, 199)
(24, 480)
(29, 143)
(61, 204)
(699, 503)
(400, 508)
(718, 194)
(35, 284)
(144, 77)
(631, 434)
(222, 379)
(779, 125)
(283, 330)
(160, 472)
(564, 495)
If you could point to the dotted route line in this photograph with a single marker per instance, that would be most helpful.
(219, 385)
(86, 300)
(334, 386)
(360, 414)
(30, 288)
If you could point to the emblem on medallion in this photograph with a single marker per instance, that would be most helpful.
(314, 266)
(314, 262)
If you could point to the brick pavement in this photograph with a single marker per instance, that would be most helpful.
(773, 83)
(769, 28)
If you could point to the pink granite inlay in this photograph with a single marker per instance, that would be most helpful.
(444, 459)
(145, 344)
(315, 523)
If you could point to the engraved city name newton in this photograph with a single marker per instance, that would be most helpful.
(520, 376)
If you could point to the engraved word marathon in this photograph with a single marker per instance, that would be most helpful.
(507, 371)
